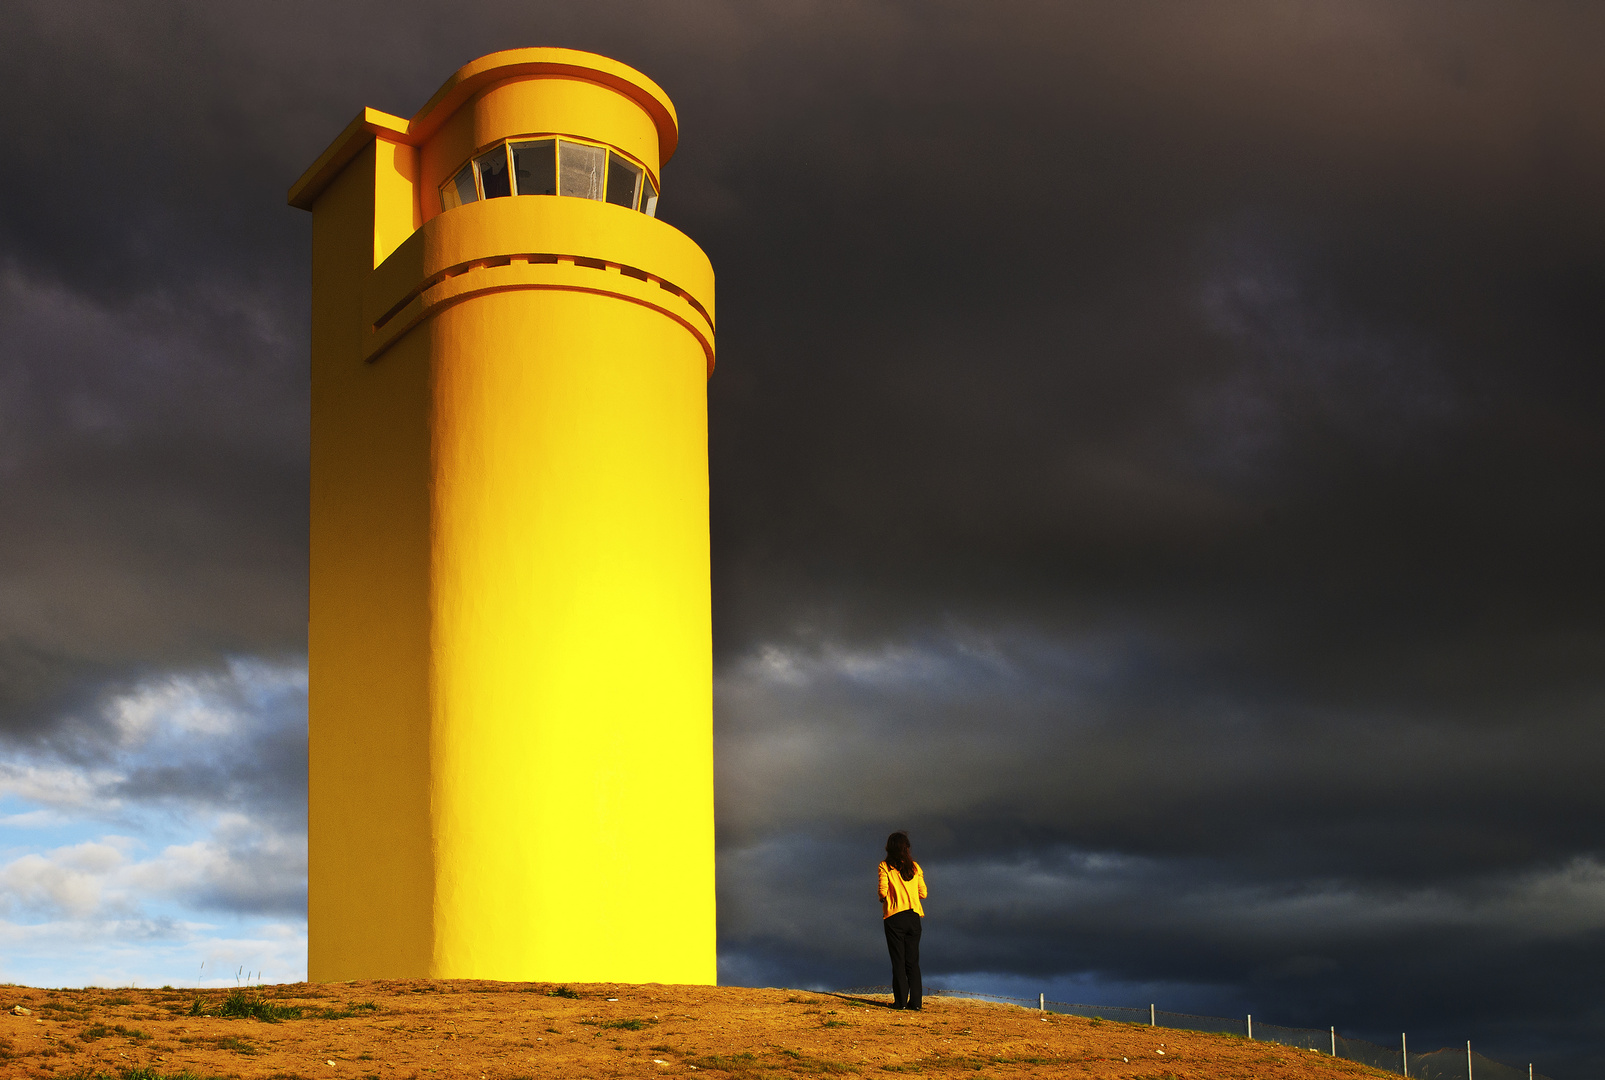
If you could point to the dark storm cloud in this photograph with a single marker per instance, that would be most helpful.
(1202, 411)
(1156, 456)
(155, 492)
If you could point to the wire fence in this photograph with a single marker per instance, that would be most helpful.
(1450, 1063)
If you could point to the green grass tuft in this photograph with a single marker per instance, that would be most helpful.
(239, 1046)
(732, 1063)
(241, 1004)
(626, 1025)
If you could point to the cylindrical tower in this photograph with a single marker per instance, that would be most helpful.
(511, 757)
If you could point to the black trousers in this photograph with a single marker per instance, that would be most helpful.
(903, 942)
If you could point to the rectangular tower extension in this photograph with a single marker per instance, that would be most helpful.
(511, 744)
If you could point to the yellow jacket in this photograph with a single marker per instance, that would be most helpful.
(899, 895)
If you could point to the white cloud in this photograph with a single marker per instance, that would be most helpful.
(59, 787)
(159, 852)
(239, 866)
(33, 819)
(216, 704)
(176, 705)
(72, 881)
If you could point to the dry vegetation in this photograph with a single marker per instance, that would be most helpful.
(501, 1031)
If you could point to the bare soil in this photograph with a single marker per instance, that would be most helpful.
(434, 1030)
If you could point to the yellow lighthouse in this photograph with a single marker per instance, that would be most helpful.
(511, 752)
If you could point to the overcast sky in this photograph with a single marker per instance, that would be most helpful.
(1157, 459)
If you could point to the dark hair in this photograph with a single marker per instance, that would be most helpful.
(897, 855)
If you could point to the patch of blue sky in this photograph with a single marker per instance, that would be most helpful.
(26, 826)
(159, 947)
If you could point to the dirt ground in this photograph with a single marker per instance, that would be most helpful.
(501, 1031)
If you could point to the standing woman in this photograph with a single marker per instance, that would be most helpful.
(902, 887)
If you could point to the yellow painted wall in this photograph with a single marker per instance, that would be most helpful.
(573, 747)
(511, 698)
(370, 869)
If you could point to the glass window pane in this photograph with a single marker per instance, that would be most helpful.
(535, 166)
(493, 177)
(459, 189)
(649, 200)
(580, 170)
(623, 182)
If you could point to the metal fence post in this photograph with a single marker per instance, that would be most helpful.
(1468, 1059)
(1334, 1044)
(1250, 1025)
(1042, 1003)
(1404, 1053)
(1152, 1024)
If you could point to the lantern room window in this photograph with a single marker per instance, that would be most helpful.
(552, 167)
(580, 170)
(623, 182)
(460, 188)
(495, 180)
(535, 164)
